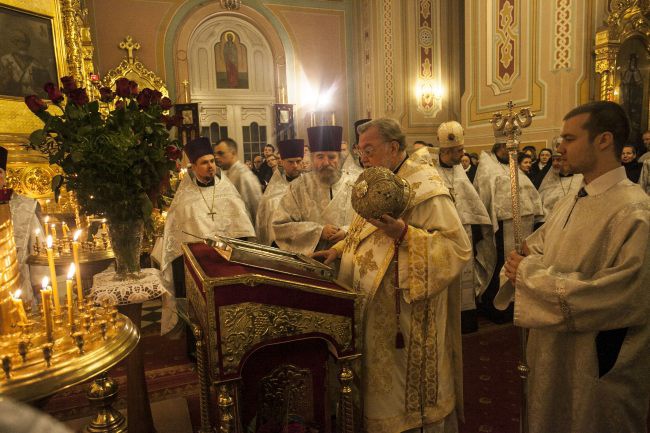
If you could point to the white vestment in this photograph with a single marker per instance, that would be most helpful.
(306, 207)
(588, 271)
(248, 186)
(554, 187)
(644, 179)
(275, 190)
(190, 212)
(430, 258)
(492, 182)
(472, 211)
(25, 224)
(351, 166)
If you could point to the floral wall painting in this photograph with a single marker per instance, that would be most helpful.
(231, 62)
(27, 58)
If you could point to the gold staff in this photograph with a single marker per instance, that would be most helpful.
(511, 125)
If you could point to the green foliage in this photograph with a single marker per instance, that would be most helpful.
(116, 161)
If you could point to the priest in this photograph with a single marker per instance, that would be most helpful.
(581, 288)
(558, 183)
(315, 211)
(27, 232)
(291, 155)
(492, 183)
(351, 163)
(475, 219)
(205, 204)
(412, 364)
(246, 183)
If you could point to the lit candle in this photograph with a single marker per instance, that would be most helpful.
(104, 226)
(75, 257)
(47, 226)
(68, 284)
(53, 227)
(37, 233)
(46, 299)
(55, 288)
(18, 303)
(65, 229)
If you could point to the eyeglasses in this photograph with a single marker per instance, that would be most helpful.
(368, 151)
(220, 152)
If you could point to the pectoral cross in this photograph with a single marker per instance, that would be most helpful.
(212, 214)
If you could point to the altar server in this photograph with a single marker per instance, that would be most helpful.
(581, 288)
(291, 155)
(315, 211)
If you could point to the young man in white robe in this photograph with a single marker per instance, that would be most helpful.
(581, 288)
(26, 225)
(412, 355)
(477, 273)
(205, 204)
(558, 183)
(315, 211)
(291, 154)
(492, 182)
(245, 181)
(352, 163)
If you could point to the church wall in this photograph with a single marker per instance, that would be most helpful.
(309, 40)
(537, 54)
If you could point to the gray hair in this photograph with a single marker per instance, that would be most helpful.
(388, 129)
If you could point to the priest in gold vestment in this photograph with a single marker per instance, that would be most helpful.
(417, 383)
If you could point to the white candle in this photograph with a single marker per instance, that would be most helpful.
(55, 287)
(75, 257)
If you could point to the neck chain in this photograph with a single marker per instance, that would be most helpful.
(562, 185)
(211, 211)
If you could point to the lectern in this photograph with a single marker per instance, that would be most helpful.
(267, 339)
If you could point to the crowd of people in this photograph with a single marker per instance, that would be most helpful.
(579, 283)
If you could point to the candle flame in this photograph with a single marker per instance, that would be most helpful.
(53, 225)
(47, 219)
(45, 282)
(103, 220)
(17, 294)
(49, 241)
(37, 232)
(76, 235)
(71, 271)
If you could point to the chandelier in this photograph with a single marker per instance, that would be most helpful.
(231, 5)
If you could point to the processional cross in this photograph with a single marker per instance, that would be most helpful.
(130, 46)
(511, 125)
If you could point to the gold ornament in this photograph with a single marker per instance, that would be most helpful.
(379, 191)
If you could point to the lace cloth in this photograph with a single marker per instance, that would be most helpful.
(151, 286)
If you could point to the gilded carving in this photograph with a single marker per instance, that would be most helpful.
(506, 42)
(563, 35)
(388, 56)
(245, 325)
(287, 390)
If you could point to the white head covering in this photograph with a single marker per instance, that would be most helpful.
(450, 134)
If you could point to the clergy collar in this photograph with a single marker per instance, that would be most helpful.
(565, 175)
(291, 179)
(406, 156)
(606, 181)
(205, 185)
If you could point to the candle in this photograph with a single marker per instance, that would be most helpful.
(53, 227)
(37, 233)
(47, 226)
(68, 284)
(75, 257)
(104, 226)
(55, 287)
(65, 229)
(46, 298)
(18, 303)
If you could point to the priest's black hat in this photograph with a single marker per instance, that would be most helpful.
(198, 148)
(326, 138)
(3, 158)
(293, 148)
(356, 125)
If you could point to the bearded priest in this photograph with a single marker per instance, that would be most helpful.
(315, 211)
(412, 364)
(291, 155)
(205, 204)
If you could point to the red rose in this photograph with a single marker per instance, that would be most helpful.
(106, 94)
(35, 104)
(122, 87)
(173, 153)
(53, 93)
(134, 88)
(176, 120)
(79, 97)
(144, 98)
(69, 84)
(166, 103)
(155, 97)
(119, 105)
